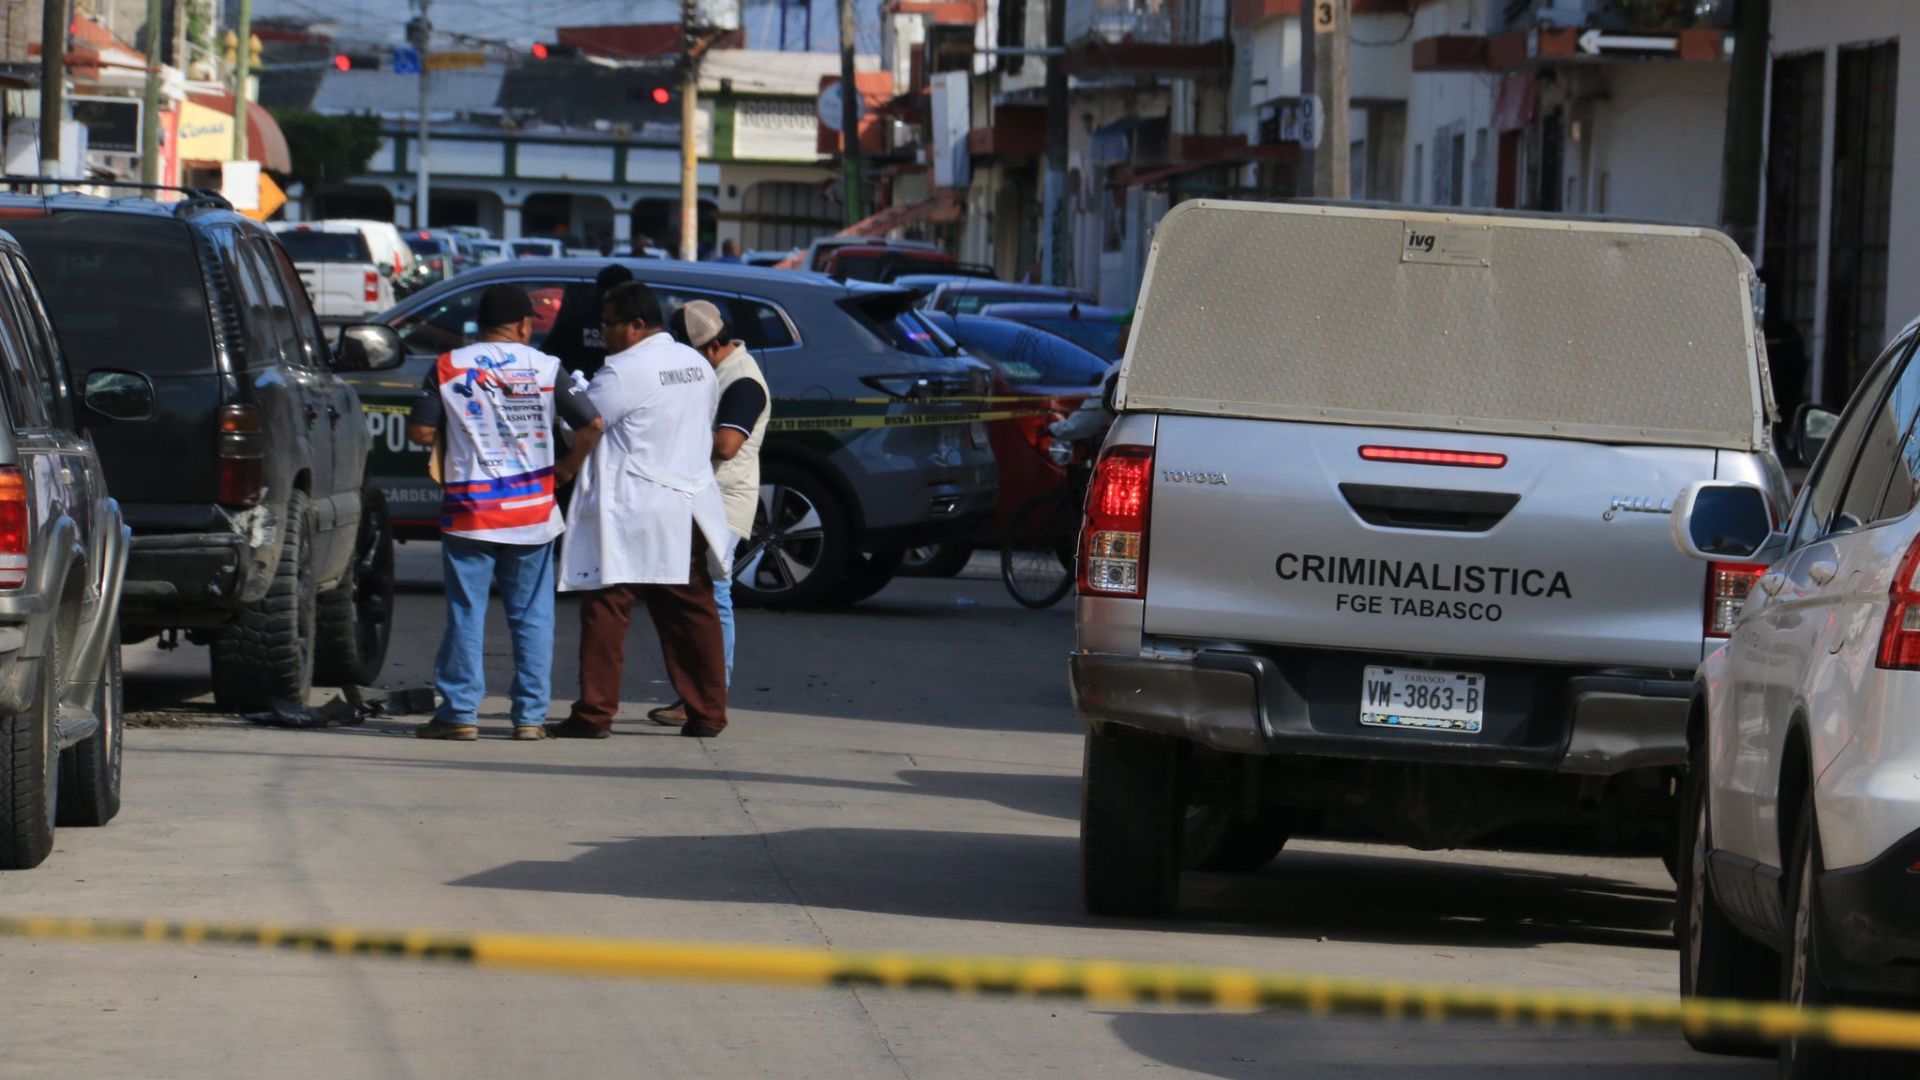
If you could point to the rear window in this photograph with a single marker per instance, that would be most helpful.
(425, 247)
(1028, 357)
(1098, 336)
(324, 247)
(889, 316)
(524, 248)
(124, 290)
(858, 267)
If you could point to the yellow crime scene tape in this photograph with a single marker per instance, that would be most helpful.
(846, 422)
(1097, 982)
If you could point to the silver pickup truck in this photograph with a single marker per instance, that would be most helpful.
(1384, 532)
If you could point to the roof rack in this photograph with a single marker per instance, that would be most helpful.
(195, 195)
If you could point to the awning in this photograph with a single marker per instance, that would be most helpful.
(266, 144)
(1513, 105)
(1242, 156)
(943, 207)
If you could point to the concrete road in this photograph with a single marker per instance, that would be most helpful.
(903, 775)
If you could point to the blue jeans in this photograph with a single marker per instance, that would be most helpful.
(524, 574)
(723, 599)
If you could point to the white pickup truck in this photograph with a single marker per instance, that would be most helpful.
(336, 265)
(1381, 531)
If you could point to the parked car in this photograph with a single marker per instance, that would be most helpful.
(337, 268)
(432, 262)
(969, 296)
(1053, 376)
(238, 446)
(823, 247)
(1334, 557)
(536, 248)
(1096, 329)
(767, 258)
(488, 252)
(389, 248)
(63, 550)
(883, 264)
(1801, 810)
(844, 495)
(476, 233)
(453, 244)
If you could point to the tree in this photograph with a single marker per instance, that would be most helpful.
(327, 150)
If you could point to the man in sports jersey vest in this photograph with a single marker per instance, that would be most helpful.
(494, 403)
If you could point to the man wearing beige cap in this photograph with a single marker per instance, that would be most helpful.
(739, 427)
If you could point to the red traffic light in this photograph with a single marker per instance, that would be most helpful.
(343, 61)
(661, 95)
(539, 50)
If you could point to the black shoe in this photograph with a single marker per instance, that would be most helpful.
(575, 728)
(698, 731)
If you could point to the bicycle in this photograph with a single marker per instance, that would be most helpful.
(1042, 539)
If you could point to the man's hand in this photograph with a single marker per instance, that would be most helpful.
(584, 440)
(422, 434)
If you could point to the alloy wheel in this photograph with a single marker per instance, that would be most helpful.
(788, 543)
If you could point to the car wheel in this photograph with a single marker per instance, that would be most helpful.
(800, 546)
(945, 559)
(355, 618)
(1131, 819)
(90, 770)
(266, 653)
(1716, 959)
(1222, 840)
(30, 771)
(865, 576)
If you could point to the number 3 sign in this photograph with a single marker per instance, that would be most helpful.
(1326, 16)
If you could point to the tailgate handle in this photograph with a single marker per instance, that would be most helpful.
(1428, 508)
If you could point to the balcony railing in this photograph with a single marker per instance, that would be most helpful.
(1614, 14)
(1147, 22)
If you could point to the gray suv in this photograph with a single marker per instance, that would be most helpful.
(871, 450)
(63, 552)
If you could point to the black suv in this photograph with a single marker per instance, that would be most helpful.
(239, 456)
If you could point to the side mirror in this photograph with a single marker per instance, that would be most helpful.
(1725, 521)
(368, 347)
(1812, 426)
(119, 395)
(1110, 393)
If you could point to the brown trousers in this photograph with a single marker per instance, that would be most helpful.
(689, 627)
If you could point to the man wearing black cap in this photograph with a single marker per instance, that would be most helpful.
(494, 404)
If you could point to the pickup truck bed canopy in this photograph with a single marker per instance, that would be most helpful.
(1603, 331)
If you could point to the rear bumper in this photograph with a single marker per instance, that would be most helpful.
(184, 580)
(1243, 703)
(1870, 919)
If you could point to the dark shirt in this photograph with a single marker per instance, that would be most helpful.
(740, 407)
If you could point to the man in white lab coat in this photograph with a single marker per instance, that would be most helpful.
(647, 522)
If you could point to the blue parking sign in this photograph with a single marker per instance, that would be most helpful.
(406, 60)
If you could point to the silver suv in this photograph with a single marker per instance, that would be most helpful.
(1387, 538)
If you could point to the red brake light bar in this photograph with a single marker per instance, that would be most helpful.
(1407, 455)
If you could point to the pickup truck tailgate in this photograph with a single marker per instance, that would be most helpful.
(1281, 532)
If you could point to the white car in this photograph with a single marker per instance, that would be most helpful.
(1799, 866)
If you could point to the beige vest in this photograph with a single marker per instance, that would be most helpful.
(739, 478)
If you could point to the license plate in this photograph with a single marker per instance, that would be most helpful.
(1422, 699)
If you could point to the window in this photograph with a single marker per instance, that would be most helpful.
(1482, 169)
(26, 404)
(781, 215)
(1792, 253)
(1457, 169)
(1419, 192)
(313, 340)
(1862, 213)
(760, 325)
(278, 306)
(1836, 465)
(118, 281)
(326, 247)
(454, 320)
(43, 352)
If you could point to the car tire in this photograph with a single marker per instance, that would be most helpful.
(30, 770)
(1132, 815)
(1802, 980)
(90, 769)
(944, 559)
(866, 574)
(1222, 840)
(802, 542)
(266, 653)
(354, 623)
(1716, 959)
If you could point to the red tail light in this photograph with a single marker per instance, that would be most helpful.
(1727, 587)
(1113, 536)
(243, 477)
(373, 287)
(1415, 456)
(15, 527)
(1900, 638)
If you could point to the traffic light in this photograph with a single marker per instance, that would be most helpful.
(540, 50)
(356, 61)
(662, 95)
(230, 48)
(553, 50)
(343, 61)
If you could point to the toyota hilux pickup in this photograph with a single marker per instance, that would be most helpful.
(1387, 537)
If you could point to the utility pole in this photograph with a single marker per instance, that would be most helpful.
(242, 58)
(1054, 239)
(1331, 51)
(849, 119)
(419, 35)
(689, 125)
(53, 77)
(150, 110)
(1742, 164)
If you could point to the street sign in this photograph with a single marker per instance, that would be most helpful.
(829, 110)
(406, 60)
(1594, 42)
(1307, 123)
(1326, 16)
(271, 199)
(442, 61)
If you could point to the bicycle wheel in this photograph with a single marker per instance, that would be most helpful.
(1037, 551)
